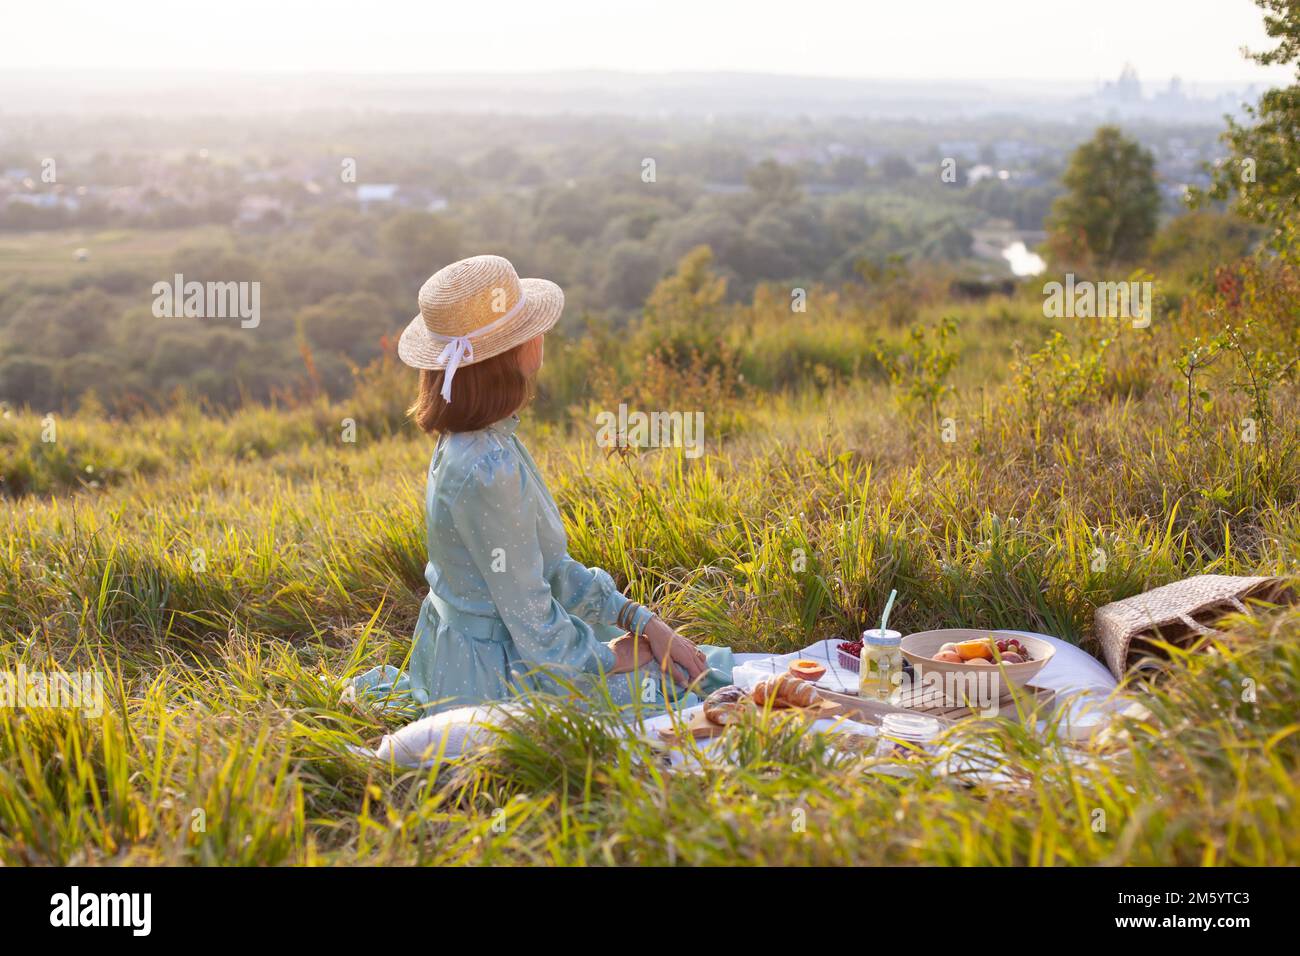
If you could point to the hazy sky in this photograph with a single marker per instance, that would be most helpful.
(1198, 40)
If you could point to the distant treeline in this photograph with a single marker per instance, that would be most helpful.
(605, 207)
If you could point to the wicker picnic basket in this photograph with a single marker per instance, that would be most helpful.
(1177, 614)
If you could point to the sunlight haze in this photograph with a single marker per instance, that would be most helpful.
(1198, 40)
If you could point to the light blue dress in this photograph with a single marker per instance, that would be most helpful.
(508, 610)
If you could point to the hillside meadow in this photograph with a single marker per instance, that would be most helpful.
(226, 572)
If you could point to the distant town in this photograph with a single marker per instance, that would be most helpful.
(131, 186)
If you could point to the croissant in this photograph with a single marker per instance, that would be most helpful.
(785, 690)
(724, 705)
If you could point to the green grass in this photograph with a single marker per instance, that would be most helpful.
(226, 574)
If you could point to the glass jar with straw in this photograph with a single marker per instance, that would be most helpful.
(882, 658)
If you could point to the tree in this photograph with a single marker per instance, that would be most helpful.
(1109, 211)
(773, 183)
(1197, 243)
(1262, 175)
(30, 380)
(896, 169)
(420, 244)
(848, 171)
(350, 324)
(686, 312)
(629, 274)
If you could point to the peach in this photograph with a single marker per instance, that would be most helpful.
(806, 670)
(969, 650)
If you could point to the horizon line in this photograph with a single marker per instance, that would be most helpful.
(1151, 78)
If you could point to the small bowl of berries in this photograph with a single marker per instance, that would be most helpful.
(850, 654)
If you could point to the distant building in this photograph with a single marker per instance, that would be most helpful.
(45, 201)
(126, 200)
(1124, 91)
(369, 194)
(1174, 94)
(982, 171)
(959, 149)
(260, 210)
(791, 154)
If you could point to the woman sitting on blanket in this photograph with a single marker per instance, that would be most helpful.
(507, 610)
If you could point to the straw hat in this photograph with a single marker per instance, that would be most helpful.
(474, 309)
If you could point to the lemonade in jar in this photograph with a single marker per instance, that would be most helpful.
(881, 662)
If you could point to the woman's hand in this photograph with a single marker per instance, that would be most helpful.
(674, 653)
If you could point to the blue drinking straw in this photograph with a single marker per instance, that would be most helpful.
(889, 606)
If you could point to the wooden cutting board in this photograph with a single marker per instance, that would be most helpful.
(1025, 699)
(871, 711)
(701, 728)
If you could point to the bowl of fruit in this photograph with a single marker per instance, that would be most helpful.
(1016, 657)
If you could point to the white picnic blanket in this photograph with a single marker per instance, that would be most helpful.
(1070, 669)
(1082, 684)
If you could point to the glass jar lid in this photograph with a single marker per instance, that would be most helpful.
(882, 638)
(916, 727)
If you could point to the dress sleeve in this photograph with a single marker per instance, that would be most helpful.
(498, 523)
(590, 593)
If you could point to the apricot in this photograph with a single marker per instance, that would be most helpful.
(969, 650)
(983, 662)
(949, 657)
(948, 648)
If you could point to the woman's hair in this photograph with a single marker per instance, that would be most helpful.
(481, 394)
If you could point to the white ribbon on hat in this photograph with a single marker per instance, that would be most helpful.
(462, 349)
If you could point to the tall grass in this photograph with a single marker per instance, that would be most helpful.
(242, 760)
(225, 574)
